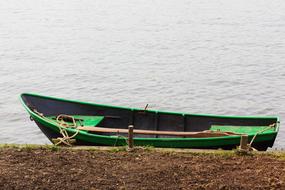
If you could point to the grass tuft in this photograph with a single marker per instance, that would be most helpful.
(118, 149)
(148, 148)
(54, 148)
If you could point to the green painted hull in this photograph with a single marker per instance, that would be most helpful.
(145, 120)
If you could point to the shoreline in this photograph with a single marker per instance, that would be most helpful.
(270, 151)
(52, 167)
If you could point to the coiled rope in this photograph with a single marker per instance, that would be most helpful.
(62, 125)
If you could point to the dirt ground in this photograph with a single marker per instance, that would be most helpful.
(81, 169)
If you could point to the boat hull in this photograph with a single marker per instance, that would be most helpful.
(46, 105)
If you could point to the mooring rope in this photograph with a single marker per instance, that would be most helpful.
(62, 125)
(118, 136)
(261, 131)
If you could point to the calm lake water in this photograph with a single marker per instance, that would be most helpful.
(197, 56)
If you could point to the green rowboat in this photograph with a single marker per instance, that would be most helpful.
(104, 125)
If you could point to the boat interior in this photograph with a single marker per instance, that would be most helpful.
(109, 117)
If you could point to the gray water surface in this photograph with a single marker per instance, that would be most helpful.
(197, 56)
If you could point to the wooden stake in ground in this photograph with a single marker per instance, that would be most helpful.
(130, 137)
(243, 142)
